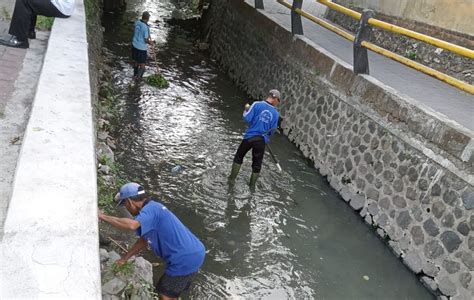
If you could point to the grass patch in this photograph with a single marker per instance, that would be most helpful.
(410, 55)
(157, 80)
(107, 190)
(5, 14)
(44, 23)
(125, 269)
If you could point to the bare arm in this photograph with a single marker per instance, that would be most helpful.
(120, 223)
(139, 245)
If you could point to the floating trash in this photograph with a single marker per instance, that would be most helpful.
(157, 80)
(366, 277)
(177, 169)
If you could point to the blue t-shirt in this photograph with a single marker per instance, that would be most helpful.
(262, 118)
(170, 239)
(140, 34)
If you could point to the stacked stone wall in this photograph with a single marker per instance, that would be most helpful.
(405, 170)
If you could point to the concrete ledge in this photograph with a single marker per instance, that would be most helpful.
(49, 247)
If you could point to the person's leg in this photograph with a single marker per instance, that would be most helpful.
(45, 8)
(141, 70)
(31, 31)
(24, 16)
(134, 62)
(141, 63)
(135, 69)
(244, 147)
(171, 287)
(21, 18)
(258, 151)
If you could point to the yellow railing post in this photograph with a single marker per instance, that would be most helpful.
(366, 44)
(400, 30)
(361, 59)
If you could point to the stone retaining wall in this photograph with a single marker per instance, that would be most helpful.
(407, 171)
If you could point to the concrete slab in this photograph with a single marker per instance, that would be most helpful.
(19, 73)
(439, 96)
(49, 248)
(17, 95)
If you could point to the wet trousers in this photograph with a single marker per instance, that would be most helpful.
(257, 144)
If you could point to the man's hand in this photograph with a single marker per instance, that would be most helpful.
(121, 261)
(101, 215)
(120, 223)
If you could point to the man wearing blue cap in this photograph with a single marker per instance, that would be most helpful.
(164, 233)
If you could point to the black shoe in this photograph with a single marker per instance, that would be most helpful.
(32, 35)
(15, 43)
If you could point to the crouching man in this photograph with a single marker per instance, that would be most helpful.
(164, 233)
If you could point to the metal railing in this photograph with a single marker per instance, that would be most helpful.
(400, 30)
(361, 43)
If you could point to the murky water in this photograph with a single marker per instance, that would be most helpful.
(293, 238)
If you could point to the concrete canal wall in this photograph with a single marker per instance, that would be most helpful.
(407, 170)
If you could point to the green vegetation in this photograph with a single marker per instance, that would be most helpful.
(104, 160)
(5, 14)
(93, 10)
(157, 80)
(44, 23)
(126, 269)
(107, 190)
(410, 55)
(108, 107)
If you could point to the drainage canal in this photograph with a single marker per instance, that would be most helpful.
(292, 238)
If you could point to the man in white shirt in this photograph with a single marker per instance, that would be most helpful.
(22, 25)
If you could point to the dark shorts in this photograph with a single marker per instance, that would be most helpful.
(257, 144)
(138, 56)
(174, 286)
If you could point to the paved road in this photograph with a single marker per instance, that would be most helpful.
(19, 73)
(441, 97)
(11, 60)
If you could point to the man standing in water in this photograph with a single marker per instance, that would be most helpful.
(262, 118)
(167, 237)
(141, 37)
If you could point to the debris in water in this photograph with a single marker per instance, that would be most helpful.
(366, 277)
(176, 169)
(157, 80)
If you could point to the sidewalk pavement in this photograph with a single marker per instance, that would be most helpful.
(455, 104)
(19, 74)
(11, 59)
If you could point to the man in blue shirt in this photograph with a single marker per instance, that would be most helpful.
(262, 118)
(164, 233)
(141, 37)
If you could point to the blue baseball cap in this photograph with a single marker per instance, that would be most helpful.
(130, 190)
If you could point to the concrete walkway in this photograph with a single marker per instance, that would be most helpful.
(49, 244)
(19, 73)
(440, 97)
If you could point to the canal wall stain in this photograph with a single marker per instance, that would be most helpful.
(406, 170)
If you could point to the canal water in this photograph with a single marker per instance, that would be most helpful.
(293, 237)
